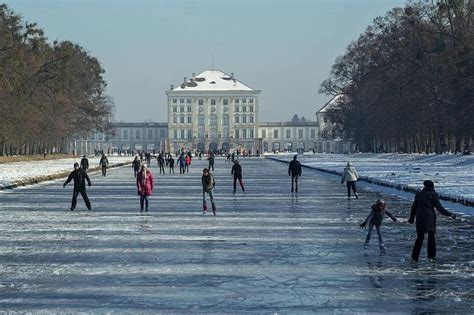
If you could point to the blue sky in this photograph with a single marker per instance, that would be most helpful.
(284, 48)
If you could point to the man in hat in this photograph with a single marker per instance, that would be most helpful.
(237, 173)
(79, 176)
(423, 210)
(294, 170)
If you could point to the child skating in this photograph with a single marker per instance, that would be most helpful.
(375, 218)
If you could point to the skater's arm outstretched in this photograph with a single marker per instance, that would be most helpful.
(413, 212)
(440, 208)
(68, 180)
(390, 215)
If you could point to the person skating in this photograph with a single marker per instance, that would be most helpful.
(375, 219)
(161, 163)
(144, 186)
(423, 211)
(182, 164)
(187, 161)
(136, 165)
(104, 162)
(208, 184)
(84, 164)
(350, 176)
(171, 163)
(79, 176)
(211, 161)
(294, 170)
(237, 174)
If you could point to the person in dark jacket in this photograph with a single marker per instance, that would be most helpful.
(423, 210)
(84, 164)
(79, 176)
(211, 161)
(294, 170)
(171, 163)
(161, 163)
(208, 184)
(104, 162)
(136, 165)
(375, 218)
(237, 173)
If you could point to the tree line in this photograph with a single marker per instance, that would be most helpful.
(407, 83)
(50, 93)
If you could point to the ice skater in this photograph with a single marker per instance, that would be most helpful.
(136, 165)
(144, 186)
(375, 219)
(182, 164)
(294, 170)
(208, 184)
(79, 176)
(187, 162)
(423, 210)
(84, 163)
(104, 162)
(211, 161)
(171, 163)
(237, 174)
(161, 163)
(350, 176)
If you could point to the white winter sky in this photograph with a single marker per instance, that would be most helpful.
(283, 47)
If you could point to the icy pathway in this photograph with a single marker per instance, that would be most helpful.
(266, 251)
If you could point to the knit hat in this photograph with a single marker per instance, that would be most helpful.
(76, 164)
(428, 184)
(295, 157)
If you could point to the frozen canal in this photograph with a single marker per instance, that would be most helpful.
(266, 251)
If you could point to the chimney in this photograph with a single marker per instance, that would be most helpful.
(171, 87)
(185, 80)
(231, 75)
(194, 74)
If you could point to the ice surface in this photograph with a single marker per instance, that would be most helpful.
(266, 251)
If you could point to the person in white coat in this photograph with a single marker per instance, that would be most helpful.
(350, 176)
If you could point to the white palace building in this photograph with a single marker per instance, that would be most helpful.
(209, 111)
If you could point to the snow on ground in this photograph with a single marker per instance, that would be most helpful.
(20, 171)
(453, 175)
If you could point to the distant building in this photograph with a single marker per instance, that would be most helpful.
(288, 136)
(124, 137)
(329, 140)
(212, 111)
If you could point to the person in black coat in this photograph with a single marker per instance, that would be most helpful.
(294, 170)
(423, 210)
(171, 163)
(104, 162)
(84, 163)
(237, 173)
(211, 161)
(79, 176)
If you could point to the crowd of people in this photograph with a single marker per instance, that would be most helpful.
(422, 210)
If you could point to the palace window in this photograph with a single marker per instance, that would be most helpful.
(201, 102)
(300, 133)
(288, 133)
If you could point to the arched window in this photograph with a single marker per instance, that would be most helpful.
(225, 120)
(201, 120)
(213, 120)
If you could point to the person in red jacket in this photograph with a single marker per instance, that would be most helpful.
(144, 186)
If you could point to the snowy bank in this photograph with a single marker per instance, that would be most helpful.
(25, 173)
(453, 175)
